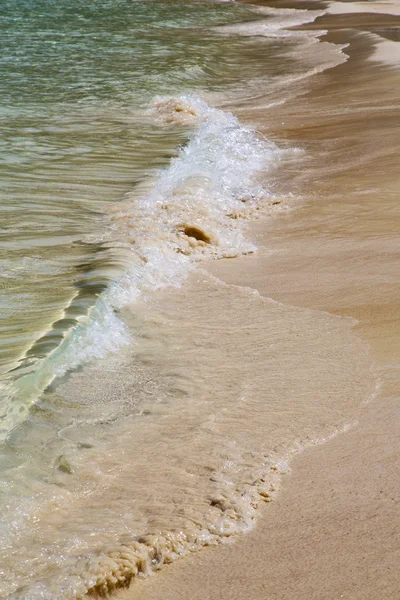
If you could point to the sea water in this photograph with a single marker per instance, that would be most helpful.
(120, 172)
(77, 135)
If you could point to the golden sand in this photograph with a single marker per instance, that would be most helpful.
(333, 531)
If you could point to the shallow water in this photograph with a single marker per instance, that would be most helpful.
(75, 136)
(142, 456)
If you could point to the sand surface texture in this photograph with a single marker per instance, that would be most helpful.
(333, 531)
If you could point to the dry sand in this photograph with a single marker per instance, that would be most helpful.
(333, 532)
(377, 6)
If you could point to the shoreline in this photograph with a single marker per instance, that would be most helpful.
(170, 444)
(335, 516)
(224, 372)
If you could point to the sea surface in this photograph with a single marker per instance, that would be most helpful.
(122, 172)
(77, 135)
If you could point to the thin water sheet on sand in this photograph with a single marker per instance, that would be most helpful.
(333, 531)
(173, 444)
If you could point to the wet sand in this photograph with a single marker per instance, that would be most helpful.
(333, 531)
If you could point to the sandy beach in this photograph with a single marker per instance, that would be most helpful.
(333, 530)
(200, 331)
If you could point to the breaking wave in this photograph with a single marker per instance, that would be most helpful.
(196, 209)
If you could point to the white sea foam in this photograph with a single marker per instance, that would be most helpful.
(276, 23)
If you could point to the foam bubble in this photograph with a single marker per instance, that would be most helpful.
(207, 189)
